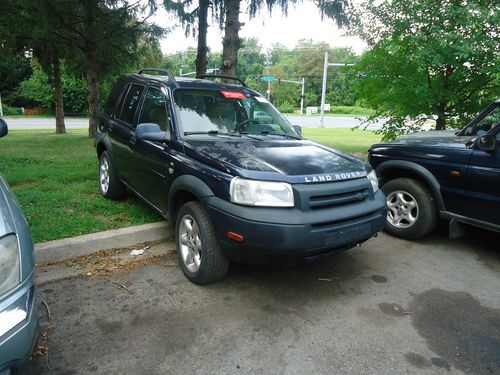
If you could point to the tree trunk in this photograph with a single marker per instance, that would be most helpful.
(441, 119)
(231, 42)
(56, 66)
(91, 66)
(441, 122)
(93, 84)
(201, 53)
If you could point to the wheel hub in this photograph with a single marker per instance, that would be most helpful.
(402, 209)
(190, 243)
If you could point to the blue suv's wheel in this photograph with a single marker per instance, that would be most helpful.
(411, 209)
(198, 250)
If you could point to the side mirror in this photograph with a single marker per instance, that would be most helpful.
(297, 129)
(150, 132)
(3, 128)
(486, 142)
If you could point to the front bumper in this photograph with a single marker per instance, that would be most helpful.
(284, 236)
(16, 344)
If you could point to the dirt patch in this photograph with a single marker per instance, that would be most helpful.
(459, 329)
(109, 261)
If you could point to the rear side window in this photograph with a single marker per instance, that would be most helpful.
(113, 98)
(129, 104)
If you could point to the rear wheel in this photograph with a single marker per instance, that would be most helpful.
(411, 208)
(109, 185)
(198, 250)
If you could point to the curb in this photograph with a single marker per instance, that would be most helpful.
(72, 247)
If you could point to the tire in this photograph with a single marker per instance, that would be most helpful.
(109, 186)
(411, 209)
(198, 250)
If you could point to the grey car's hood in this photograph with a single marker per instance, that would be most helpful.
(6, 222)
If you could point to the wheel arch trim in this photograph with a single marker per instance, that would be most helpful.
(424, 173)
(190, 184)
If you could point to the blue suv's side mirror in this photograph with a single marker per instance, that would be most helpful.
(150, 132)
(487, 142)
(3, 128)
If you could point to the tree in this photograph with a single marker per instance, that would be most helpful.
(24, 29)
(231, 43)
(104, 35)
(427, 58)
(189, 17)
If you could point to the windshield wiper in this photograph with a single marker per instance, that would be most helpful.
(279, 134)
(213, 132)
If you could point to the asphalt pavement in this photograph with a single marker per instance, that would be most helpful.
(19, 123)
(387, 307)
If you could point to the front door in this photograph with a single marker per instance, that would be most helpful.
(483, 175)
(152, 176)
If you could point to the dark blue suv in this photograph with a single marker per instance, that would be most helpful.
(455, 175)
(234, 176)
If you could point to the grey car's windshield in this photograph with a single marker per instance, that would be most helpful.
(228, 112)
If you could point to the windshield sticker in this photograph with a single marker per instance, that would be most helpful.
(261, 99)
(335, 177)
(233, 95)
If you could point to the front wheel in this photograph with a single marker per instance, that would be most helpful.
(411, 208)
(198, 250)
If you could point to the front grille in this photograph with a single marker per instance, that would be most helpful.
(331, 200)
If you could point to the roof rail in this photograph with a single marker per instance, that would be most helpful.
(165, 72)
(221, 76)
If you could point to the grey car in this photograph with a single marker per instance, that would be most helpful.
(18, 302)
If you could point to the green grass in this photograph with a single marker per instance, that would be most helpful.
(355, 142)
(55, 179)
(345, 111)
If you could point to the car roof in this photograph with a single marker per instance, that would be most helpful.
(184, 82)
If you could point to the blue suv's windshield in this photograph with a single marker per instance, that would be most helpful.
(228, 112)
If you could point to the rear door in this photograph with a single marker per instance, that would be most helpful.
(483, 175)
(121, 130)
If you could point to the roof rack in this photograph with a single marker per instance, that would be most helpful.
(165, 72)
(225, 77)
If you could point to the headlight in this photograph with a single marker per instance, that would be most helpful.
(372, 176)
(10, 275)
(261, 193)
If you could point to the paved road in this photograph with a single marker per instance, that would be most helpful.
(82, 123)
(18, 123)
(388, 307)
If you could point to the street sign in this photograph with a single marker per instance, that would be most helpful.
(268, 79)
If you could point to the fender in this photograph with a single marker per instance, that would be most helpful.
(418, 169)
(102, 140)
(191, 184)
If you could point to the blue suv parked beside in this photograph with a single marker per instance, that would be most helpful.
(453, 175)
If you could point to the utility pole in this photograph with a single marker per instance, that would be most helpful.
(323, 89)
(302, 96)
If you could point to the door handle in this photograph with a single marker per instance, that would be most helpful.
(132, 140)
(110, 127)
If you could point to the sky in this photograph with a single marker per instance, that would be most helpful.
(303, 22)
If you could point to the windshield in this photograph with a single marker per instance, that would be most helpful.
(228, 112)
(487, 123)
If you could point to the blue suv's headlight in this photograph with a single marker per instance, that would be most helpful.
(10, 273)
(261, 193)
(372, 177)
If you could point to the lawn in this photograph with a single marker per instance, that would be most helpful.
(55, 179)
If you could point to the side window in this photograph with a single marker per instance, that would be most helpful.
(491, 120)
(113, 98)
(129, 104)
(154, 109)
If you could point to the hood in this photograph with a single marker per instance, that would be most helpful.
(437, 141)
(290, 159)
(6, 221)
(431, 134)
